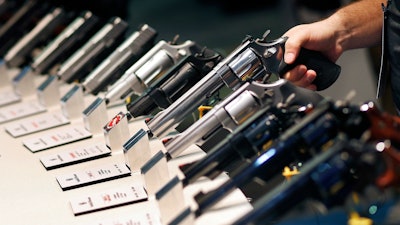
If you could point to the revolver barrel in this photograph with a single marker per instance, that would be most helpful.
(20, 52)
(93, 51)
(149, 68)
(126, 54)
(69, 40)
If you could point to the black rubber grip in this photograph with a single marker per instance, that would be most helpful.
(327, 71)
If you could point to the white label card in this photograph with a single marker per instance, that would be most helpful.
(72, 156)
(20, 110)
(56, 138)
(108, 199)
(36, 124)
(8, 97)
(93, 175)
(147, 218)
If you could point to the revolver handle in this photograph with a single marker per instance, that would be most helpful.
(327, 71)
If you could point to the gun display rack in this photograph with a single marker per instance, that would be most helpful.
(78, 151)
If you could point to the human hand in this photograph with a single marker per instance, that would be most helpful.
(312, 36)
(301, 76)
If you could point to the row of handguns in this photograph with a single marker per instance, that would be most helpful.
(341, 147)
(171, 78)
(272, 123)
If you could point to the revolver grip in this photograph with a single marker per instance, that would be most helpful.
(327, 71)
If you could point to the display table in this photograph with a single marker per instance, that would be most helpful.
(31, 194)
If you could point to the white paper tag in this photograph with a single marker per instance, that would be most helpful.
(108, 199)
(20, 110)
(36, 124)
(8, 97)
(93, 175)
(148, 218)
(72, 156)
(56, 138)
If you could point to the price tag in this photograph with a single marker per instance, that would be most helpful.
(36, 124)
(20, 110)
(72, 156)
(93, 175)
(108, 199)
(56, 138)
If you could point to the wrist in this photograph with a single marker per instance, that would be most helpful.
(342, 35)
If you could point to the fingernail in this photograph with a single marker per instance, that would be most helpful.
(289, 57)
(310, 78)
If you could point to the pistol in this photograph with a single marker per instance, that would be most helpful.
(22, 21)
(21, 52)
(149, 68)
(298, 142)
(237, 108)
(174, 83)
(68, 41)
(126, 54)
(81, 62)
(254, 59)
(328, 177)
(357, 122)
(245, 142)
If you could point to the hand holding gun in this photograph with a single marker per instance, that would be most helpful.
(254, 59)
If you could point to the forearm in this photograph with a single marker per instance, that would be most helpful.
(358, 24)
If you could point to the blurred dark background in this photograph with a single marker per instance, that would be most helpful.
(220, 24)
(217, 24)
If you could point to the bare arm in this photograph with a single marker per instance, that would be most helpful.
(356, 25)
(359, 24)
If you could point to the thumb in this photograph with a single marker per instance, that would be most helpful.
(289, 57)
(291, 52)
